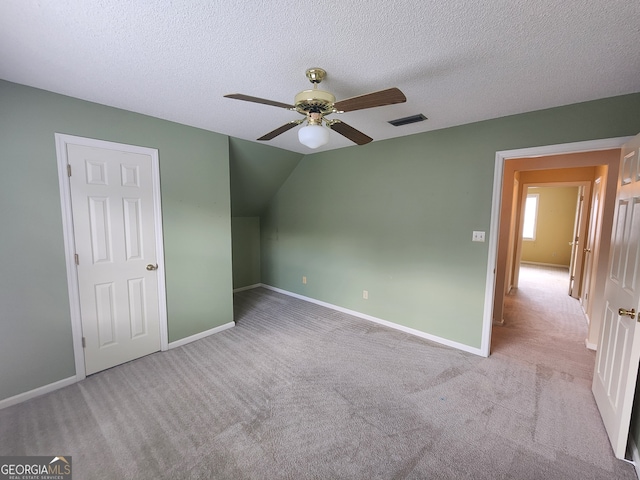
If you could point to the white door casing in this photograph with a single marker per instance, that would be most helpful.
(618, 356)
(113, 230)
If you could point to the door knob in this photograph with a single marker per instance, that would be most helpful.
(623, 312)
(152, 267)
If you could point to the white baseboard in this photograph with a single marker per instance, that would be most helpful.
(412, 331)
(198, 336)
(589, 345)
(248, 287)
(36, 392)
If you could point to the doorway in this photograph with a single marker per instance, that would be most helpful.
(110, 195)
(589, 153)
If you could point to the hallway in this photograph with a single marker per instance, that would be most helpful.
(543, 324)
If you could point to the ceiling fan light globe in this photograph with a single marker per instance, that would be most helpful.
(313, 136)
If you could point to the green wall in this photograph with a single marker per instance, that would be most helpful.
(35, 340)
(245, 233)
(395, 217)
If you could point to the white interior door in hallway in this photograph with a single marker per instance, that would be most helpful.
(616, 368)
(578, 242)
(592, 247)
(117, 251)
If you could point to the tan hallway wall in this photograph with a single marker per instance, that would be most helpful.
(554, 226)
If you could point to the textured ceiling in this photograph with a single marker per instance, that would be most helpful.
(457, 61)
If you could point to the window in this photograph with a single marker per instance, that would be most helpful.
(530, 217)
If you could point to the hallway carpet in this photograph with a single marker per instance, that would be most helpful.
(298, 391)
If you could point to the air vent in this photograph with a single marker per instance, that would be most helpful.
(407, 120)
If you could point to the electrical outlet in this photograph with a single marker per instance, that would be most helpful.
(304, 280)
(365, 294)
(477, 237)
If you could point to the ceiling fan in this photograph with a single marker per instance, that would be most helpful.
(316, 104)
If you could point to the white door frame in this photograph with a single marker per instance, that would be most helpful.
(496, 204)
(62, 140)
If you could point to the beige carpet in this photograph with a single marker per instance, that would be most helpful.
(544, 325)
(297, 391)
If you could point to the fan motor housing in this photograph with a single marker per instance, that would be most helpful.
(314, 101)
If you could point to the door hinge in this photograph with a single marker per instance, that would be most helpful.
(573, 277)
(68, 169)
(76, 259)
(84, 342)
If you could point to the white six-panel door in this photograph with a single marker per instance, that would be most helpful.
(616, 368)
(114, 217)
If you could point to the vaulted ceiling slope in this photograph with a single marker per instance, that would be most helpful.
(457, 61)
(256, 174)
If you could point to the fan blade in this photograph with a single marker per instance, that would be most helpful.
(351, 133)
(247, 98)
(284, 128)
(369, 100)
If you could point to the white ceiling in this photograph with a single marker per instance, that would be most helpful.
(457, 61)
